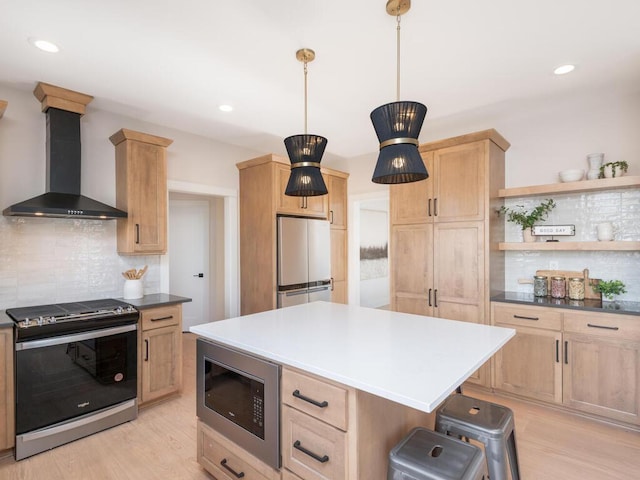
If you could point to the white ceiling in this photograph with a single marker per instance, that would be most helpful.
(173, 62)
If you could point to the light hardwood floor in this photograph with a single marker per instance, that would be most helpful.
(161, 444)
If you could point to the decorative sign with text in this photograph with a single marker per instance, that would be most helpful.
(553, 230)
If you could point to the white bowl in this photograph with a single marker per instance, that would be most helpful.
(574, 175)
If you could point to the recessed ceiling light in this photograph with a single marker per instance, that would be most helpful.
(226, 108)
(562, 69)
(44, 45)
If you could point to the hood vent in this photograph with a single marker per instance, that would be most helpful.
(63, 109)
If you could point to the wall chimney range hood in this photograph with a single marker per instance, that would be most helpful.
(63, 109)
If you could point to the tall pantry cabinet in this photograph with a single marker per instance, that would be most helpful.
(262, 184)
(445, 232)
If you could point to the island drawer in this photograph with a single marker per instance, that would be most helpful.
(227, 461)
(614, 325)
(160, 317)
(311, 448)
(524, 316)
(324, 401)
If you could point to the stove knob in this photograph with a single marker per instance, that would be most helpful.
(40, 320)
(119, 310)
(52, 319)
(130, 309)
(27, 322)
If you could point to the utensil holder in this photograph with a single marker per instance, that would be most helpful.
(133, 289)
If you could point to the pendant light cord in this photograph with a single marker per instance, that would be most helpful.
(305, 97)
(398, 55)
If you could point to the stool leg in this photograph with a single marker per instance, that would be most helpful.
(513, 456)
(495, 451)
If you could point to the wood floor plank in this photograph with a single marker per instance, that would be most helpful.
(161, 444)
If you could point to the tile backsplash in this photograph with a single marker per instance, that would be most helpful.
(585, 211)
(53, 260)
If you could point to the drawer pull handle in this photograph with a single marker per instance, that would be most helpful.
(322, 459)
(223, 462)
(602, 326)
(168, 317)
(522, 317)
(323, 404)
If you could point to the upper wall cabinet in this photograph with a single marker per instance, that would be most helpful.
(305, 206)
(141, 190)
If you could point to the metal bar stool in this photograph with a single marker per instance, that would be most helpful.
(427, 455)
(486, 422)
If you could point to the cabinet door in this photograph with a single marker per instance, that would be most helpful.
(458, 268)
(530, 364)
(161, 354)
(460, 182)
(307, 206)
(413, 202)
(602, 376)
(338, 266)
(7, 420)
(147, 198)
(337, 187)
(412, 268)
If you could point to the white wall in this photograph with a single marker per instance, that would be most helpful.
(57, 260)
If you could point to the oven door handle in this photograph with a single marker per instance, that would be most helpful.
(76, 337)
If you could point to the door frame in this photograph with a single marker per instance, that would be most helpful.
(353, 240)
(231, 242)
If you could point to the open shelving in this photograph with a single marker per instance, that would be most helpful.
(580, 246)
(571, 187)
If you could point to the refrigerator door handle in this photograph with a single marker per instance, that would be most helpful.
(319, 289)
(291, 293)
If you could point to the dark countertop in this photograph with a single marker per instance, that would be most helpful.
(627, 308)
(155, 300)
(5, 321)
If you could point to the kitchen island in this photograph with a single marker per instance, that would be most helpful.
(394, 370)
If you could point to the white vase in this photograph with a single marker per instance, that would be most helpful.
(527, 236)
(595, 162)
(132, 289)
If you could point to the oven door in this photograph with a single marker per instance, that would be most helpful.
(60, 378)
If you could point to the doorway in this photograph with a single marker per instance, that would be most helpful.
(223, 263)
(368, 250)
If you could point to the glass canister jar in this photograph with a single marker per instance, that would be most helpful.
(576, 288)
(558, 287)
(540, 286)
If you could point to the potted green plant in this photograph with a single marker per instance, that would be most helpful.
(610, 288)
(526, 219)
(613, 169)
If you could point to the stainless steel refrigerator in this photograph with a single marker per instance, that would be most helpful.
(304, 261)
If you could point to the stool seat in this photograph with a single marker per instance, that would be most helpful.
(486, 422)
(427, 455)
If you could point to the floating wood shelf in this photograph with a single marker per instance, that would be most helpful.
(571, 187)
(580, 246)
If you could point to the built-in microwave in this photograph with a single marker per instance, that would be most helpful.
(238, 395)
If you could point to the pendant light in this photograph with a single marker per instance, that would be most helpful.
(398, 125)
(305, 151)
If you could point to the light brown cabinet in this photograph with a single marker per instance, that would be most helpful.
(586, 361)
(7, 399)
(160, 352)
(443, 255)
(337, 186)
(141, 190)
(530, 363)
(262, 185)
(226, 461)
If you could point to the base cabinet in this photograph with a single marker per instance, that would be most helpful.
(226, 461)
(160, 353)
(585, 361)
(7, 399)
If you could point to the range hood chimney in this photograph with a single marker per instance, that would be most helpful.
(63, 109)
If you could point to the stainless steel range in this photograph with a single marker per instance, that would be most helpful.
(75, 369)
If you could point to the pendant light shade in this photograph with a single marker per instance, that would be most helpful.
(397, 126)
(305, 152)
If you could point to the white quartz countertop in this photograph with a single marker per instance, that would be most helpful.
(410, 359)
